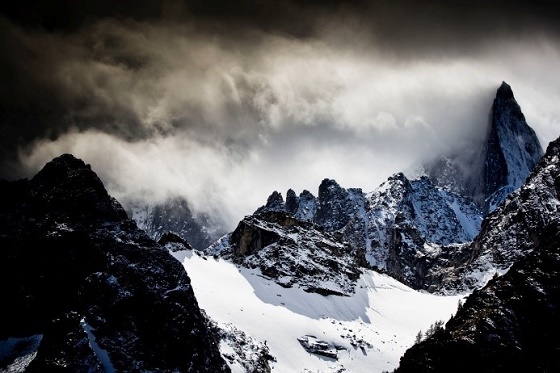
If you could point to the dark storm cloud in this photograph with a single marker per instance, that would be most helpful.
(40, 36)
(194, 97)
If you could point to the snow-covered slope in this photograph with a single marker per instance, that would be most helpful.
(372, 328)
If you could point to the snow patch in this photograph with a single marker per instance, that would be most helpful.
(375, 325)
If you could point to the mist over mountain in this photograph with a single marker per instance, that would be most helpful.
(316, 260)
(185, 99)
(491, 168)
(299, 128)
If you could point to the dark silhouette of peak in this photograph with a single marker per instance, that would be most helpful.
(504, 91)
(67, 186)
(328, 183)
(512, 149)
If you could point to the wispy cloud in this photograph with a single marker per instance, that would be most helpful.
(225, 113)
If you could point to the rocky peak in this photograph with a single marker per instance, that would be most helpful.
(275, 202)
(292, 201)
(334, 206)
(78, 274)
(512, 149)
(487, 170)
(504, 92)
(67, 186)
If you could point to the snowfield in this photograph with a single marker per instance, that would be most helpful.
(371, 329)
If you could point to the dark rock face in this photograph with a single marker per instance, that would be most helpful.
(513, 229)
(293, 252)
(509, 325)
(513, 149)
(292, 201)
(66, 347)
(426, 234)
(335, 207)
(75, 268)
(175, 215)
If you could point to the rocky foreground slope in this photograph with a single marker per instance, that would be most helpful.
(510, 325)
(84, 290)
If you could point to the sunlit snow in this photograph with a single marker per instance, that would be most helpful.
(376, 325)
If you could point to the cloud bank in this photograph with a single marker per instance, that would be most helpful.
(225, 105)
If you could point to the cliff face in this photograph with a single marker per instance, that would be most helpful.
(292, 252)
(94, 291)
(512, 150)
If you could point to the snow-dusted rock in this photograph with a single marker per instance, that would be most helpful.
(175, 215)
(103, 295)
(292, 252)
(400, 227)
(512, 230)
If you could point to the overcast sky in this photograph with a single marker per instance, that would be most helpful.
(224, 102)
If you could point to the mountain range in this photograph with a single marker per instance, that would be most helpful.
(89, 289)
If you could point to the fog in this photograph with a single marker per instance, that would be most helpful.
(224, 113)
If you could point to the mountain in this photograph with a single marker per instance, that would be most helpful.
(306, 283)
(509, 325)
(402, 227)
(175, 215)
(420, 230)
(84, 290)
(488, 170)
(511, 231)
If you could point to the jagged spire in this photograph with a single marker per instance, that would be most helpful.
(69, 184)
(504, 92)
(512, 149)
